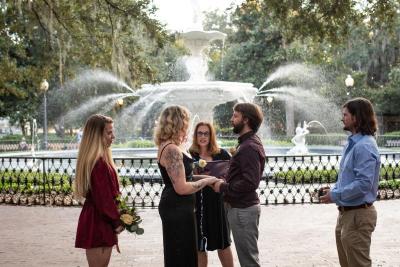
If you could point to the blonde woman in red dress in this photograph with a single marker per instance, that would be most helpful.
(97, 182)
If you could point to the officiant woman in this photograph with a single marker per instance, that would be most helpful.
(212, 230)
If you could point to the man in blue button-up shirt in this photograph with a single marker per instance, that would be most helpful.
(357, 185)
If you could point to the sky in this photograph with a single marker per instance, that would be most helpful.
(178, 14)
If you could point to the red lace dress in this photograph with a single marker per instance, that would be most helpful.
(99, 216)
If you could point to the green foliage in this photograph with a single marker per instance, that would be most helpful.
(306, 176)
(341, 38)
(227, 142)
(273, 142)
(389, 176)
(394, 134)
(324, 139)
(388, 96)
(326, 20)
(282, 141)
(41, 39)
(391, 184)
(11, 137)
(135, 144)
(33, 182)
(129, 216)
(222, 117)
(254, 42)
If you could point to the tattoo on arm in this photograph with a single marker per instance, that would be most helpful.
(197, 185)
(174, 160)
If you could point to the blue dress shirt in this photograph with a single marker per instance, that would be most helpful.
(358, 178)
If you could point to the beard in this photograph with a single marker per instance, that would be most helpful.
(238, 127)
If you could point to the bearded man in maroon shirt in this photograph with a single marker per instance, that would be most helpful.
(242, 204)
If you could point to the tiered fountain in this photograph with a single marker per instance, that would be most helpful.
(197, 94)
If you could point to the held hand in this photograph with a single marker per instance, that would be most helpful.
(217, 185)
(210, 180)
(119, 229)
(326, 197)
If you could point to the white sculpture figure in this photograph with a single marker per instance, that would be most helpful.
(299, 140)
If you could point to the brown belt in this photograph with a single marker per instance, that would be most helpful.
(347, 208)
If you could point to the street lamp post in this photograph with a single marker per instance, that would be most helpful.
(44, 86)
(349, 82)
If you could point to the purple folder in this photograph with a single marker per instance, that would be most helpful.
(217, 168)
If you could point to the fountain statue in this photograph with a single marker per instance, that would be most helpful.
(299, 140)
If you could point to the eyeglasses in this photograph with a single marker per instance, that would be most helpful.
(205, 134)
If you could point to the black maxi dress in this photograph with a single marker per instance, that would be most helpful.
(178, 221)
(212, 225)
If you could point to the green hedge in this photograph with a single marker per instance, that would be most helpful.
(325, 139)
(135, 144)
(389, 174)
(390, 184)
(395, 133)
(51, 137)
(24, 181)
(306, 176)
(32, 182)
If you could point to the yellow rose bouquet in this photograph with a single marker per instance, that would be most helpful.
(129, 217)
(198, 166)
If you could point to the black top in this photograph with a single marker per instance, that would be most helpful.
(212, 230)
(187, 163)
(178, 221)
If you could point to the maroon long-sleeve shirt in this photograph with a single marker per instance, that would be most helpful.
(245, 172)
(99, 216)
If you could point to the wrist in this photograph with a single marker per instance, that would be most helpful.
(223, 186)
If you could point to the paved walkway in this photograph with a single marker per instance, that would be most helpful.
(292, 235)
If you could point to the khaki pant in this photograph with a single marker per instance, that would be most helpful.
(353, 236)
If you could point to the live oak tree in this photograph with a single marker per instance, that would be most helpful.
(57, 39)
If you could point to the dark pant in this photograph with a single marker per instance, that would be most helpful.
(243, 222)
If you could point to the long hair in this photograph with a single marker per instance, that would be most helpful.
(91, 148)
(212, 145)
(363, 110)
(252, 112)
(172, 121)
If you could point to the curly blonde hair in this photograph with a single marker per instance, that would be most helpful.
(172, 121)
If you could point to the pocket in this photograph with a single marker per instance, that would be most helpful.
(248, 215)
(365, 219)
(242, 216)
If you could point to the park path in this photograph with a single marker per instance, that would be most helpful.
(291, 235)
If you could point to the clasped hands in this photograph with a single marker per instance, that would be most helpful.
(215, 183)
(211, 181)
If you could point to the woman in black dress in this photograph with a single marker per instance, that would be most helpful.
(212, 230)
(177, 201)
